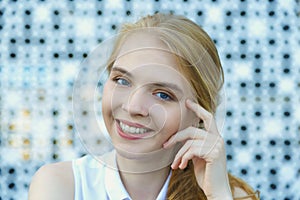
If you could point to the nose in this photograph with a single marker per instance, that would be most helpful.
(136, 103)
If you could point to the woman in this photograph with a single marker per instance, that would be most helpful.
(158, 107)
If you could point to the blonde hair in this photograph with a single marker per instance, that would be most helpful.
(200, 64)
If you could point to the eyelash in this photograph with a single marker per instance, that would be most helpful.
(169, 96)
(118, 78)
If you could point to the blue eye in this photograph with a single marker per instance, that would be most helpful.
(122, 81)
(163, 96)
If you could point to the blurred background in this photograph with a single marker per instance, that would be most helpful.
(43, 42)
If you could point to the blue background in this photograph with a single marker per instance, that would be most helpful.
(43, 42)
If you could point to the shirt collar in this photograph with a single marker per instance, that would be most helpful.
(113, 185)
(163, 192)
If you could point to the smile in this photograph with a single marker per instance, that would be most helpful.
(132, 130)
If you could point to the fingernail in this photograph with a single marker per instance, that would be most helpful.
(181, 166)
(189, 102)
(172, 166)
(165, 145)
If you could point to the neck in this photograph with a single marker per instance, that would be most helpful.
(144, 175)
(145, 186)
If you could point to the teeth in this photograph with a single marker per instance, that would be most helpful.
(132, 130)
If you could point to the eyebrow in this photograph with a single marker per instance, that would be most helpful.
(168, 85)
(157, 84)
(123, 71)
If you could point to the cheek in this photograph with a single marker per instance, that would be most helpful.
(109, 104)
(111, 98)
(189, 118)
(106, 98)
(166, 119)
(112, 101)
(106, 107)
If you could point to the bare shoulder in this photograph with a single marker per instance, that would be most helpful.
(53, 181)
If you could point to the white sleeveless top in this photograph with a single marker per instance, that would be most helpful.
(95, 180)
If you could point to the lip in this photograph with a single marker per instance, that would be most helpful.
(132, 136)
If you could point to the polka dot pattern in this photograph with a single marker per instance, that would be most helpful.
(42, 44)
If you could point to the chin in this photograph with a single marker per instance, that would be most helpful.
(135, 148)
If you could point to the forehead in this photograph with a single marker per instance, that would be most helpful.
(145, 47)
(154, 59)
(144, 52)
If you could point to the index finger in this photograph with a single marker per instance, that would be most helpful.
(207, 117)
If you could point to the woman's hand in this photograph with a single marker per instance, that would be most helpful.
(206, 149)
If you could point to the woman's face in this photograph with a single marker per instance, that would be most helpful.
(144, 97)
